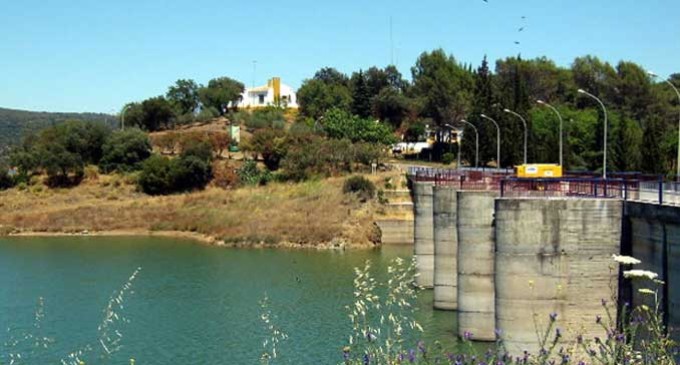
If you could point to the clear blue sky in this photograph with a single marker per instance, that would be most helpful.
(76, 55)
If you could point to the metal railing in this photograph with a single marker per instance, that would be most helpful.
(571, 187)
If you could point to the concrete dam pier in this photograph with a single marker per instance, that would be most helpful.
(511, 257)
(554, 256)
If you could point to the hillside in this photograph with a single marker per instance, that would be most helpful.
(14, 124)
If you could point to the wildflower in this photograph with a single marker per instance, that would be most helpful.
(367, 360)
(620, 337)
(345, 353)
(467, 335)
(598, 319)
(598, 340)
(579, 339)
(604, 302)
(498, 332)
(558, 333)
(411, 355)
(626, 260)
(421, 347)
(640, 274)
(553, 317)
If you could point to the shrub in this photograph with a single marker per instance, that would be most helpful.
(125, 150)
(156, 176)
(224, 175)
(190, 172)
(360, 186)
(91, 173)
(447, 158)
(271, 144)
(249, 173)
(200, 148)
(6, 181)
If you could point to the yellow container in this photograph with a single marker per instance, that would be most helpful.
(538, 171)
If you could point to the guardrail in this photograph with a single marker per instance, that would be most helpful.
(571, 187)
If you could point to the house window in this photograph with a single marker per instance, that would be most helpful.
(261, 99)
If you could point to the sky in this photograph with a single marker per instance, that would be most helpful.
(97, 55)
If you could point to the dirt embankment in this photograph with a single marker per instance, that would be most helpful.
(311, 214)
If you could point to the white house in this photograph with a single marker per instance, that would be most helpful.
(274, 93)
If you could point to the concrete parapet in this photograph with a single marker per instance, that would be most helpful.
(476, 249)
(554, 255)
(424, 233)
(445, 248)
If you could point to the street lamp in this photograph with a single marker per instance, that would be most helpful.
(526, 131)
(476, 142)
(604, 170)
(652, 74)
(541, 102)
(122, 116)
(498, 139)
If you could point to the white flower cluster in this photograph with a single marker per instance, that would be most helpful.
(640, 274)
(626, 260)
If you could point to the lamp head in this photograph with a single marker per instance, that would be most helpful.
(507, 110)
(652, 74)
(581, 91)
(463, 121)
(483, 115)
(540, 101)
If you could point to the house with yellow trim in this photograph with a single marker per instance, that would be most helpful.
(275, 93)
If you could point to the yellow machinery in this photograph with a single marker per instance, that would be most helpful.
(538, 171)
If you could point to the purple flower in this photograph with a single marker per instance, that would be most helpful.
(558, 333)
(367, 360)
(412, 355)
(553, 316)
(498, 332)
(421, 347)
(579, 339)
(467, 335)
(598, 319)
(620, 337)
(604, 302)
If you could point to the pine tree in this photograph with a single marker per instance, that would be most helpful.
(361, 98)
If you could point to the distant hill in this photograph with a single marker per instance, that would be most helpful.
(15, 124)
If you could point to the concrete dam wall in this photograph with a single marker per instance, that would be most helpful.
(423, 232)
(508, 263)
(445, 248)
(476, 258)
(554, 256)
(654, 238)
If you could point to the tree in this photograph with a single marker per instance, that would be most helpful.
(484, 102)
(63, 168)
(444, 87)
(151, 114)
(330, 76)
(125, 151)
(392, 106)
(315, 97)
(361, 97)
(339, 124)
(156, 176)
(220, 141)
(183, 96)
(271, 144)
(220, 93)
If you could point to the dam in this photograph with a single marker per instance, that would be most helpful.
(507, 254)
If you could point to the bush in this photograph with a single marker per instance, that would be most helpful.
(448, 158)
(161, 175)
(125, 150)
(271, 144)
(250, 174)
(6, 181)
(156, 176)
(360, 186)
(224, 175)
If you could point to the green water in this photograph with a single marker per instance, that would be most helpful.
(191, 304)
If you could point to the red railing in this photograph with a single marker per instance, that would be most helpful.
(571, 187)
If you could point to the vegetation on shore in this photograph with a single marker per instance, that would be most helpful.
(310, 213)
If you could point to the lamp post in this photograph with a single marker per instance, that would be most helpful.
(451, 144)
(604, 163)
(541, 102)
(498, 139)
(677, 172)
(526, 131)
(122, 117)
(476, 142)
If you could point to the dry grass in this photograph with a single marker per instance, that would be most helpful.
(308, 213)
